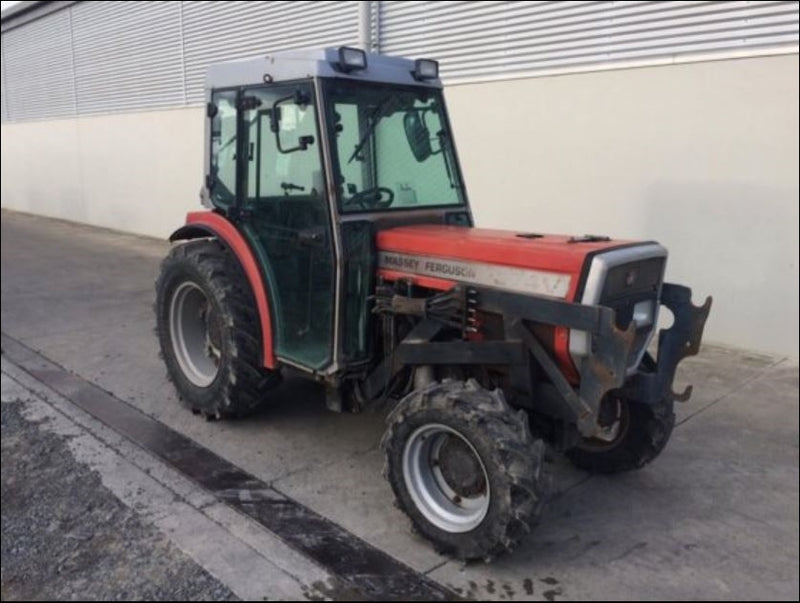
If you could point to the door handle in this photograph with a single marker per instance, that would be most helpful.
(311, 237)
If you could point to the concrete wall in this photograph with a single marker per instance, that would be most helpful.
(138, 172)
(702, 157)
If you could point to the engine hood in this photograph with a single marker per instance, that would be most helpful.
(439, 256)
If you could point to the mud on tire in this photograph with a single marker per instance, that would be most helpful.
(644, 432)
(511, 459)
(207, 279)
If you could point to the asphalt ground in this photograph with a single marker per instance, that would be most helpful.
(715, 517)
(66, 537)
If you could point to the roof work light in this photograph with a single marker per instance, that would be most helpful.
(352, 59)
(426, 69)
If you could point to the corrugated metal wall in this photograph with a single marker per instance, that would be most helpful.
(127, 55)
(97, 57)
(38, 69)
(474, 40)
(121, 56)
(3, 111)
(219, 31)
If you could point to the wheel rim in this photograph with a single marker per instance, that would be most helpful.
(446, 478)
(195, 333)
(614, 425)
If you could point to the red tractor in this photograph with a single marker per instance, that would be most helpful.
(338, 243)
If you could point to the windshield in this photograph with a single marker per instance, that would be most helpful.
(392, 147)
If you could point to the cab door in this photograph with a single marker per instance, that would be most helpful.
(283, 212)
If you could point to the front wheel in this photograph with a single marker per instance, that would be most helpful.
(465, 468)
(632, 434)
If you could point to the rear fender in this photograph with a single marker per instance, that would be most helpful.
(202, 224)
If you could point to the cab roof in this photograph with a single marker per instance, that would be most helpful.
(302, 64)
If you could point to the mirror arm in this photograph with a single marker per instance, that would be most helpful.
(273, 115)
(303, 144)
(274, 124)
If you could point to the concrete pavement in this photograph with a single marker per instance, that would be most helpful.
(715, 517)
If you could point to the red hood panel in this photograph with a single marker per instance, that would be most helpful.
(548, 265)
(505, 247)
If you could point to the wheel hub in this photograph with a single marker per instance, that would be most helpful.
(213, 332)
(446, 478)
(196, 334)
(612, 422)
(460, 468)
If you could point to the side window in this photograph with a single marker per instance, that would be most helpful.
(285, 164)
(223, 149)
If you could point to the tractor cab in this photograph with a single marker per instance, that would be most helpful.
(309, 153)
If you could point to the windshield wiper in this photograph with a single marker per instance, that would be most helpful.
(374, 118)
(443, 138)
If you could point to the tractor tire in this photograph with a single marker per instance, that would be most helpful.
(641, 433)
(465, 468)
(209, 331)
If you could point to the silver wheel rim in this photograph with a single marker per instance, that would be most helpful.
(432, 489)
(195, 335)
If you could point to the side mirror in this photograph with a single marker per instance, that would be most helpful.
(418, 136)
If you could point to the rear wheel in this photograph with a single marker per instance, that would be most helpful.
(632, 435)
(465, 468)
(209, 332)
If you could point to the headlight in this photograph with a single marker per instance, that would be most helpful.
(426, 69)
(643, 313)
(352, 59)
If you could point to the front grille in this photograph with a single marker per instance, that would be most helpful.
(620, 279)
(630, 284)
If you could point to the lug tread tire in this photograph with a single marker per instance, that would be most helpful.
(512, 457)
(241, 383)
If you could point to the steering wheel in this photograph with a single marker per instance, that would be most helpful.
(372, 198)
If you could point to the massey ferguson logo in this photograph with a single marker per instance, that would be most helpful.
(431, 267)
(523, 280)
